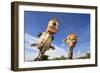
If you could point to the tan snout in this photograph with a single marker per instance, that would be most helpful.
(52, 26)
(71, 40)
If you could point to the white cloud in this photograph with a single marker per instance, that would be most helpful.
(29, 56)
(58, 52)
(62, 45)
(29, 40)
(81, 50)
(30, 52)
(51, 53)
(79, 54)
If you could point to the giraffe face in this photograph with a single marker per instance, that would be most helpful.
(71, 40)
(52, 26)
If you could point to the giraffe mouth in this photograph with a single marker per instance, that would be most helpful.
(73, 43)
(52, 29)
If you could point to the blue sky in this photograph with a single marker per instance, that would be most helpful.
(36, 22)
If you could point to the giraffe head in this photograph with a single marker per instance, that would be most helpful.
(71, 40)
(52, 26)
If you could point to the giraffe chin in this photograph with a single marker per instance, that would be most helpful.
(52, 30)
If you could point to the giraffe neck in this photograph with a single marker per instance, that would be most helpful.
(70, 53)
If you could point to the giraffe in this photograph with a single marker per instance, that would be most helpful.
(71, 41)
(46, 38)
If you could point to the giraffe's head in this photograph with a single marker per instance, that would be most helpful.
(52, 26)
(71, 40)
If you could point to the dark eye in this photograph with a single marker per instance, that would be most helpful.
(54, 23)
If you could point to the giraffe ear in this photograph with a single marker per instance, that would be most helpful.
(65, 40)
(39, 34)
